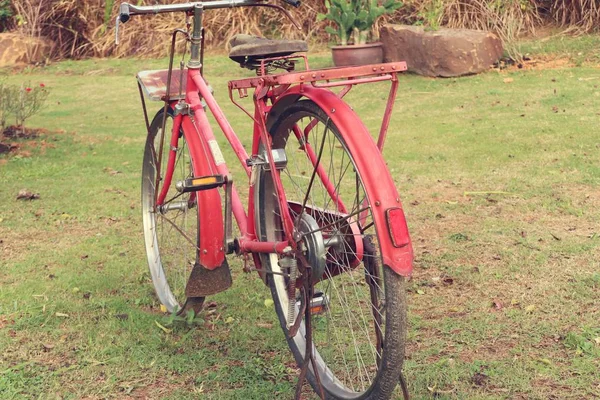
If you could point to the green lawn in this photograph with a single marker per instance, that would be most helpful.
(500, 179)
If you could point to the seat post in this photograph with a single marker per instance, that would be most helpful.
(195, 61)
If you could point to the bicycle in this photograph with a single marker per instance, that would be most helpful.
(324, 225)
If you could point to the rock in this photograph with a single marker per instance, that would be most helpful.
(20, 49)
(443, 52)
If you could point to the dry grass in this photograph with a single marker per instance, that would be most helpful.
(582, 15)
(150, 36)
(81, 28)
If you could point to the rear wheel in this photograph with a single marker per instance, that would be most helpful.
(170, 228)
(358, 328)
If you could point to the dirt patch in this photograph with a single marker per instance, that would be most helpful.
(8, 147)
(540, 63)
(16, 139)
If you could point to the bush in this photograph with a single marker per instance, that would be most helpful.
(6, 103)
(21, 102)
(6, 13)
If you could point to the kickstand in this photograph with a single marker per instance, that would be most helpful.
(307, 294)
(404, 387)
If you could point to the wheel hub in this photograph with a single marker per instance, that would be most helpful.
(312, 238)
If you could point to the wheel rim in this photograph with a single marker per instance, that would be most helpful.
(170, 230)
(348, 337)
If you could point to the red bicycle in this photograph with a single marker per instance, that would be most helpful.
(324, 225)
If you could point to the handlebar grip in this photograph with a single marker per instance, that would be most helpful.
(124, 12)
(295, 3)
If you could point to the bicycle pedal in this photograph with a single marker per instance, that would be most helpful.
(319, 303)
(200, 183)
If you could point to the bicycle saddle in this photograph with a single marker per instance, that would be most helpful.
(246, 48)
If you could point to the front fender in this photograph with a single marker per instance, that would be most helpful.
(390, 223)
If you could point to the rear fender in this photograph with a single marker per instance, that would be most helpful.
(390, 223)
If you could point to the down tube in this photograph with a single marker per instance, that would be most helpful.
(195, 81)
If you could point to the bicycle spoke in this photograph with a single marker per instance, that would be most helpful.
(350, 328)
(171, 229)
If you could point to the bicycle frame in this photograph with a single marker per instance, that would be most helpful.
(272, 93)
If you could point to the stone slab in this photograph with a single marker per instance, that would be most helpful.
(443, 52)
(14, 49)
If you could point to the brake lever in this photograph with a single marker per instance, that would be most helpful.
(123, 17)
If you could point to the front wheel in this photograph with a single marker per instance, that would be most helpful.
(359, 304)
(171, 227)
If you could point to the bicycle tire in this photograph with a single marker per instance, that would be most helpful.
(171, 232)
(339, 380)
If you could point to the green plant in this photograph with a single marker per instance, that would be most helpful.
(585, 343)
(6, 103)
(355, 18)
(21, 102)
(341, 13)
(6, 12)
(430, 14)
(173, 320)
(28, 102)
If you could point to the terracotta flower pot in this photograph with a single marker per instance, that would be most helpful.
(362, 54)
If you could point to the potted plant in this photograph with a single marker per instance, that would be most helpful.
(354, 21)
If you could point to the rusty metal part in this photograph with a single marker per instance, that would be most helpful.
(166, 98)
(171, 57)
(314, 244)
(307, 294)
(154, 84)
(194, 304)
(205, 282)
(144, 108)
(387, 115)
(228, 223)
(404, 387)
(339, 76)
(264, 271)
(291, 265)
(337, 228)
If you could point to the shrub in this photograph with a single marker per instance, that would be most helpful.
(6, 13)
(21, 102)
(7, 95)
(30, 101)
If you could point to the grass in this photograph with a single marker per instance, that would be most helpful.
(499, 175)
(579, 49)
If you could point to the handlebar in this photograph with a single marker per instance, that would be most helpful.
(126, 10)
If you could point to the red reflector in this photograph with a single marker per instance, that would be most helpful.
(397, 227)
